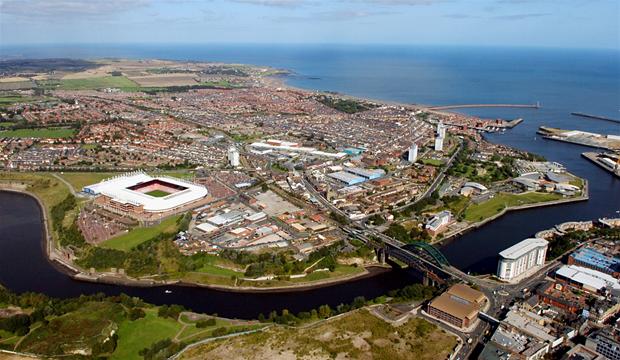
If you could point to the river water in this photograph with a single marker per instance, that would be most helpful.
(562, 80)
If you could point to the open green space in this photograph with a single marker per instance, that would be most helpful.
(134, 336)
(49, 189)
(157, 193)
(93, 83)
(139, 235)
(46, 133)
(6, 124)
(432, 162)
(478, 212)
(8, 100)
(357, 335)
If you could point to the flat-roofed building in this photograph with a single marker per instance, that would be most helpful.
(439, 222)
(522, 257)
(604, 343)
(588, 279)
(347, 177)
(590, 258)
(458, 306)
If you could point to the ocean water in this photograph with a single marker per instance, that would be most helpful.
(562, 80)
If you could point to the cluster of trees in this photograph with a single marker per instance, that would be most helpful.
(376, 219)
(415, 292)
(345, 105)
(162, 349)
(419, 206)
(170, 311)
(18, 324)
(399, 232)
(467, 167)
(44, 307)
(341, 219)
(185, 88)
(323, 312)
(206, 323)
(70, 235)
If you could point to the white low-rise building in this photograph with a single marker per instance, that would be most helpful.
(521, 257)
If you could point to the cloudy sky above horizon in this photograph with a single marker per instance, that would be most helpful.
(553, 23)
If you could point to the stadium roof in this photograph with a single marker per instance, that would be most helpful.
(522, 248)
(117, 189)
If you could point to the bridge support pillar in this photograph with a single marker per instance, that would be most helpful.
(381, 255)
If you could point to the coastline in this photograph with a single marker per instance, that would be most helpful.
(78, 274)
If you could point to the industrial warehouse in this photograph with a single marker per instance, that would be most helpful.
(141, 196)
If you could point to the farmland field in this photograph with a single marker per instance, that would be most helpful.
(91, 83)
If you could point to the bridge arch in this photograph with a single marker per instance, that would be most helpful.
(430, 250)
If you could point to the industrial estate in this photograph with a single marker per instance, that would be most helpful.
(157, 172)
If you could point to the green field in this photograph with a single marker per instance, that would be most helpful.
(432, 162)
(6, 124)
(93, 83)
(47, 133)
(157, 193)
(139, 235)
(134, 336)
(478, 212)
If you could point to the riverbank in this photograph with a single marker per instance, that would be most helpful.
(62, 262)
(450, 235)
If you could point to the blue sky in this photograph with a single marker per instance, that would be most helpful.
(555, 23)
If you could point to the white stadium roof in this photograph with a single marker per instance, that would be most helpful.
(117, 189)
(522, 248)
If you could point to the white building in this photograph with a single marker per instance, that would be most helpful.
(439, 222)
(521, 257)
(438, 144)
(441, 130)
(233, 156)
(413, 153)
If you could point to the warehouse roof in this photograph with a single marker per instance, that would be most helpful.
(589, 277)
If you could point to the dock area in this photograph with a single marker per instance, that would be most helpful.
(600, 141)
(596, 117)
(466, 106)
(609, 162)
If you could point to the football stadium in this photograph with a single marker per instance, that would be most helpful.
(140, 195)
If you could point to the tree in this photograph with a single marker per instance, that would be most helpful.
(325, 311)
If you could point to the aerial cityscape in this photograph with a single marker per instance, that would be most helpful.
(312, 184)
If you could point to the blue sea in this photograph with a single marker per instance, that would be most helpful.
(562, 80)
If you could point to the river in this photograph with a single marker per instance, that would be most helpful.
(562, 80)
